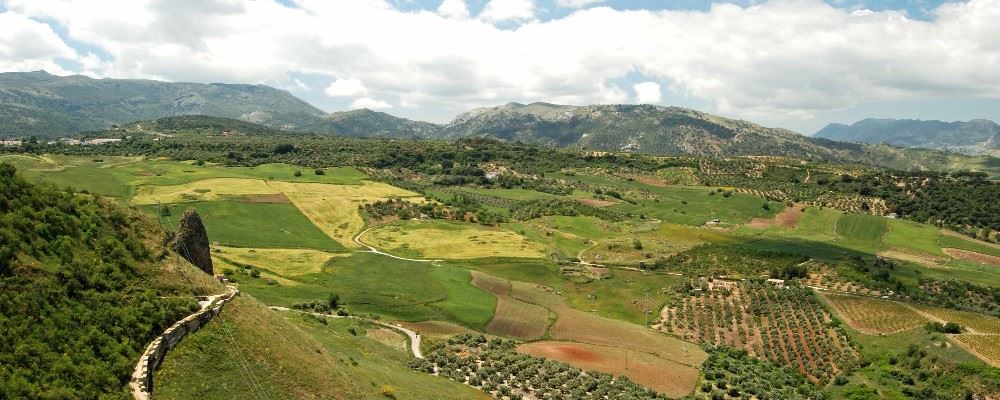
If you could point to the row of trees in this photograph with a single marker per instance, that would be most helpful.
(495, 367)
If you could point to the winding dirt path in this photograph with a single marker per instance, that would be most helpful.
(372, 249)
(414, 336)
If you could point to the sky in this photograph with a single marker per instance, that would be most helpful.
(796, 64)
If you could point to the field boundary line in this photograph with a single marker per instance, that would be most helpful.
(412, 335)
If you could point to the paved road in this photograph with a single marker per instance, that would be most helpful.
(371, 249)
(414, 336)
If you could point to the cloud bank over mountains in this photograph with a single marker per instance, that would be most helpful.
(781, 59)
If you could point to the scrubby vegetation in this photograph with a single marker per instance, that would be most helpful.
(78, 297)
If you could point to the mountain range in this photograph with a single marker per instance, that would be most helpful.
(44, 105)
(975, 137)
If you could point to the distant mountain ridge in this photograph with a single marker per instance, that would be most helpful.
(37, 103)
(975, 137)
(45, 105)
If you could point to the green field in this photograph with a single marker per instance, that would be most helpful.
(959, 243)
(397, 289)
(119, 176)
(700, 207)
(867, 228)
(253, 352)
(911, 235)
(247, 224)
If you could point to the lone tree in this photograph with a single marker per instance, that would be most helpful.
(191, 241)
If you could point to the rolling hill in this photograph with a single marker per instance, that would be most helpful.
(975, 137)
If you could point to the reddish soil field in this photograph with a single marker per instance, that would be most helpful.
(972, 256)
(787, 218)
(665, 376)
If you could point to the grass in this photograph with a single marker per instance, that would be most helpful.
(867, 228)
(283, 262)
(78, 172)
(310, 359)
(959, 243)
(168, 172)
(446, 240)
(334, 208)
(818, 223)
(874, 316)
(914, 236)
(118, 176)
(694, 205)
(626, 296)
(201, 190)
(395, 289)
(243, 224)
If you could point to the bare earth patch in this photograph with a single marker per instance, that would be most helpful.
(513, 317)
(388, 337)
(596, 202)
(972, 256)
(924, 259)
(787, 218)
(662, 375)
(437, 328)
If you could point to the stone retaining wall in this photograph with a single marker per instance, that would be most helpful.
(142, 377)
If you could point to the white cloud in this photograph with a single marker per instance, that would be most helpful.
(647, 92)
(346, 88)
(508, 10)
(577, 3)
(368, 102)
(780, 59)
(29, 45)
(453, 9)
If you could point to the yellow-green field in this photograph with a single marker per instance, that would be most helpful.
(285, 262)
(986, 347)
(452, 241)
(874, 316)
(334, 208)
(202, 190)
(976, 322)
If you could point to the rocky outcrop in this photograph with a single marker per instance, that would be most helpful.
(191, 241)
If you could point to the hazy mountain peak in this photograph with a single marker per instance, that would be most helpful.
(975, 137)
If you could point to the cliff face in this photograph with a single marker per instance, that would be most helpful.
(191, 241)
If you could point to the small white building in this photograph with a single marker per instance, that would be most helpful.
(776, 282)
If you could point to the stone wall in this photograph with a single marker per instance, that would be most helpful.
(142, 378)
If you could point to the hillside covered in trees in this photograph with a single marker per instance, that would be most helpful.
(84, 286)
